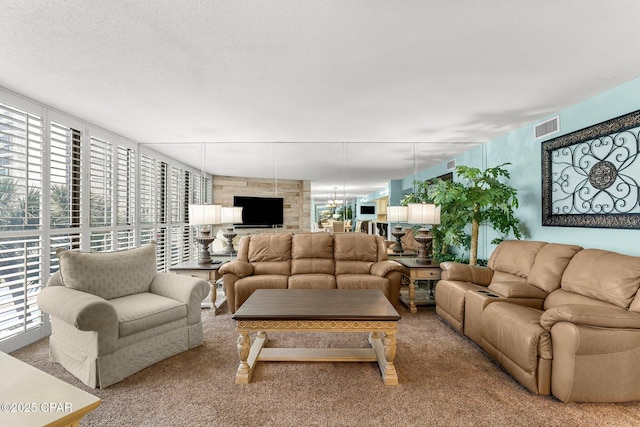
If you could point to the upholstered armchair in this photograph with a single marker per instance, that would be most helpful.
(112, 314)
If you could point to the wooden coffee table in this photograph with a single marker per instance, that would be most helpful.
(316, 310)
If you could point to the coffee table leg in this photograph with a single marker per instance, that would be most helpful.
(244, 346)
(390, 376)
(385, 349)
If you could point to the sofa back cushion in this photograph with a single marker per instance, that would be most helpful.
(515, 258)
(551, 261)
(603, 275)
(109, 274)
(354, 253)
(312, 253)
(270, 253)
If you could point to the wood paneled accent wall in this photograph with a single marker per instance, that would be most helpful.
(296, 195)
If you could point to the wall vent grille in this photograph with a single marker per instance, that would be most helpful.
(546, 128)
(451, 164)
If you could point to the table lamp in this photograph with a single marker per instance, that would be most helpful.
(423, 214)
(205, 216)
(231, 215)
(397, 214)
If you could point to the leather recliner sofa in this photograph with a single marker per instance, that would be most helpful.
(560, 319)
(310, 261)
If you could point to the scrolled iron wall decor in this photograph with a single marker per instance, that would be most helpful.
(591, 177)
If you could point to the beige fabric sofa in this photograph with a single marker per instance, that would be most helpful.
(112, 314)
(310, 260)
(561, 319)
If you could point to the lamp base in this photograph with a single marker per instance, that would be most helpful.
(423, 238)
(204, 239)
(229, 249)
(397, 233)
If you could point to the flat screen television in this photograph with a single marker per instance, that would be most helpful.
(367, 210)
(260, 212)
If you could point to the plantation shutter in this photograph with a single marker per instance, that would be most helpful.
(101, 194)
(148, 199)
(125, 197)
(66, 191)
(163, 233)
(21, 221)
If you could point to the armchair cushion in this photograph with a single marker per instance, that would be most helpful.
(140, 312)
(109, 274)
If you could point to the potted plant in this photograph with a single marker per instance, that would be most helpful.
(478, 198)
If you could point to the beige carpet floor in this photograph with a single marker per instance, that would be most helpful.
(445, 380)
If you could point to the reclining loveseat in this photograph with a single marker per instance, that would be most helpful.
(560, 319)
(310, 261)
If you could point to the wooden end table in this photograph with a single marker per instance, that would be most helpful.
(207, 272)
(317, 310)
(417, 271)
(31, 397)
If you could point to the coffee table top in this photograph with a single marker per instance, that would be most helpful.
(317, 304)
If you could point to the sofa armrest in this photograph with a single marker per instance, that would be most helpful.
(590, 315)
(186, 289)
(466, 273)
(509, 289)
(86, 312)
(382, 268)
(239, 268)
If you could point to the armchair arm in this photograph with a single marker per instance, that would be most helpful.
(239, 268)
(590, 315)
(466, 273)
(86, 312)
(186, 289)
(382, 268)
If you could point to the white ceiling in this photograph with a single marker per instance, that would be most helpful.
(244, 74)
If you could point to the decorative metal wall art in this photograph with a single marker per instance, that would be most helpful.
(591, 177)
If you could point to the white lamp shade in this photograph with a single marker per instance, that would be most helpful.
(424, 213)
(232, 215)
(205, 214)
(397, 213)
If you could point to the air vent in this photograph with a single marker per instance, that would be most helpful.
(546, 128)
(451, 164)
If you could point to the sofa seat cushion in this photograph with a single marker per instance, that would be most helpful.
(517, 290)
(244, 287)
(516, 332)
(312, 281)
(141, 312)
(363, 281)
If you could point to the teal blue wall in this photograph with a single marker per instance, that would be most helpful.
(524, 154)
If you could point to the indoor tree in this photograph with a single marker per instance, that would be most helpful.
(479, 197)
